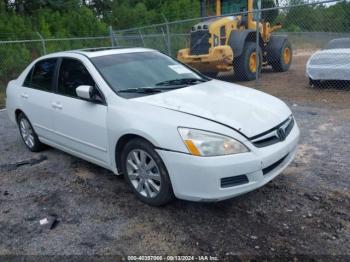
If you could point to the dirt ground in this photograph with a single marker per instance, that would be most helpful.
(306, 210)
(293, 85)
(303, 212)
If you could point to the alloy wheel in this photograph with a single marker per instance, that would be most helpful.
(27, 133)
(143, 173)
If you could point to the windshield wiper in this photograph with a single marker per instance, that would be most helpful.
(181, 81)
(141, 90)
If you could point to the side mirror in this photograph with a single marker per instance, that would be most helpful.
(84, 92)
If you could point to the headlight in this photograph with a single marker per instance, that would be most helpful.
(203, 143)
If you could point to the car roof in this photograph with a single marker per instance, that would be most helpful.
(101, 51)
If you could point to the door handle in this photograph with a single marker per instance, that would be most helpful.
(57, 105)
(25, 96)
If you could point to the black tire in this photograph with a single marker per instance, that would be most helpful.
(35, 145)
(279, 63)
(165, 194)
(211, 74)
(315, 83)
(241, 64)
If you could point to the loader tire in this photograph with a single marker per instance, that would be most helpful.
(284, 57)
(245, 65)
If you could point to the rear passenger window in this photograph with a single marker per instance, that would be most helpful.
(42, 76)
(28, 79)
(73, 74)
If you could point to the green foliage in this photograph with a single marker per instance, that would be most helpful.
(133, 13)
(319, 18)
(269, 16)
(21, 19)
(2, 97)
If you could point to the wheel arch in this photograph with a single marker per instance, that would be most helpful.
(18, 111)
(238, 40)
(122, 141)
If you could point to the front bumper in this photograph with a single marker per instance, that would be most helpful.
(328, 72)
(219, 59)
(199, 178)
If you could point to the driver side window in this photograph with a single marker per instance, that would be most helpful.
(73, 74)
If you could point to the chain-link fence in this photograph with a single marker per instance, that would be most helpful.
(15, 55)
(294, 45)
(288, 47)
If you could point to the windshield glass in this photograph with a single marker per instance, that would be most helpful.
(143, 70)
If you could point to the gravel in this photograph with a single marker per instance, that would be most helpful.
(304, 211)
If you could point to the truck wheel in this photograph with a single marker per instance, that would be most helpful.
(282, 62)
(245, 65)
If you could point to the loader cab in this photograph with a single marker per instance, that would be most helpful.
(233, 6)
(228, 7)
(237, 6)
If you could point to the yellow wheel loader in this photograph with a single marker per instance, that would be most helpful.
(229, 42)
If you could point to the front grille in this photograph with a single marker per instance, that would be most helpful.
(273, 136)
(234, 181)
(267, 141)
(200, 42)
(270, 168)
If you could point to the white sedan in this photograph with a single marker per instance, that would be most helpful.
(332, 63)
(169, 130)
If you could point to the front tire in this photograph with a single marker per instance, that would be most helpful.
(245, 65)
(29, 137)
(146, 173)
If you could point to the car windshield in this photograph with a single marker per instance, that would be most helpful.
(136, 72)
(338, 43)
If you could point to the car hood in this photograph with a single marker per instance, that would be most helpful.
(330, 57)
(247, 110)
(329, 64)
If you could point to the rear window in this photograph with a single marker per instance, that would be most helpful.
(28, 79)
(41, 75)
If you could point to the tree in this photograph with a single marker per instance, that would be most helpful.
(271, 15)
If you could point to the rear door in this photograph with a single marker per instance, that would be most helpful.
(80, 125)
(37, 96)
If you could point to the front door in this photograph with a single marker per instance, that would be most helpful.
(80, 125)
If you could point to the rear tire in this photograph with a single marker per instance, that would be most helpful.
(244, 65)
(314, 83)
(284, 58)
(145, 172)
(29, 137)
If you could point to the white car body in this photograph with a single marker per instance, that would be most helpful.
(329, 64)
(92, 131)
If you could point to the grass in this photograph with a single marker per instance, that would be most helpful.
(2, 98)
